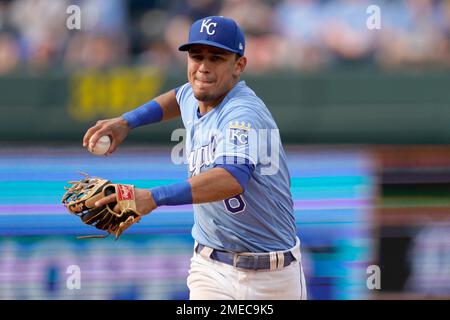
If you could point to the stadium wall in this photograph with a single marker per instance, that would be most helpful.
(336, 107)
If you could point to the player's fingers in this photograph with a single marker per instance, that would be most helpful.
(97, 135)
(88, 135)
(106, 200)
(113, 146)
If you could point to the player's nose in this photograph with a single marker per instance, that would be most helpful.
(204, 67)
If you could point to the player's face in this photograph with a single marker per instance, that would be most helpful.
(212, 72)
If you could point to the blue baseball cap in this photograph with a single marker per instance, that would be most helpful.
(216, 31)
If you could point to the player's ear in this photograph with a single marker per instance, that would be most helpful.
(239, 65)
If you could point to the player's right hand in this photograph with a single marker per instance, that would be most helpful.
(116, 128)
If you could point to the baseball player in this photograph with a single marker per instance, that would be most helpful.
(245, 234)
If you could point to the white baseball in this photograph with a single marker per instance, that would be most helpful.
(102, 146)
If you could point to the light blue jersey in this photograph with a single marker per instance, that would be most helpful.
(240, 129)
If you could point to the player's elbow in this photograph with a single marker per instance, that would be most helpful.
(230, 185)
(235, 188)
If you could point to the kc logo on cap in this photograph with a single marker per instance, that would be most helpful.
(207, 24)
(216, 31)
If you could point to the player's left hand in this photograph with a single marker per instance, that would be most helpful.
(143, 197)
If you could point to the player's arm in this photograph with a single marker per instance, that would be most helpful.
(169, 105)
(214, 185)
(222, 182)
(219, 183)
(163, 107)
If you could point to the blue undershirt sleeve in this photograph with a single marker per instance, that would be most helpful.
(240, 170)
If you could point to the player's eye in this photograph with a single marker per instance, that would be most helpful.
(196, 57)
(216, 58)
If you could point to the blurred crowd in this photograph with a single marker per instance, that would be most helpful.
(299, 35)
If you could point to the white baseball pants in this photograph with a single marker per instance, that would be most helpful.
(213, 280)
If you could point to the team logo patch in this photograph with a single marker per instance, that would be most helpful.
(239, 133)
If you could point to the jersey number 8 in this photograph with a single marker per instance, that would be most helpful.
(235, 204)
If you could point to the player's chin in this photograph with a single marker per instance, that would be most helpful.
(203, 95)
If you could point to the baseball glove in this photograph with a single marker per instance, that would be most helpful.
(79, 199)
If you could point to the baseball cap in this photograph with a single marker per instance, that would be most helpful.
(216, 31)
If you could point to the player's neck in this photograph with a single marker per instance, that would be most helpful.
(207, 106)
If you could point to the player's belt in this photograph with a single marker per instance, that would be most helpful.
(259, 261)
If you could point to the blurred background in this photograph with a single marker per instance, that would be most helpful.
(363, 111)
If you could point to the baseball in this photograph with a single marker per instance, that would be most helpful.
(102, 146)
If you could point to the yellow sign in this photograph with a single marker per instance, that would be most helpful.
(97, 95)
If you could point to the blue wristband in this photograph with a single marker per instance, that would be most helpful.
(150, 112)
(172, 194)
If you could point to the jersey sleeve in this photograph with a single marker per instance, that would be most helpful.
(182, 93)
(184, 97)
